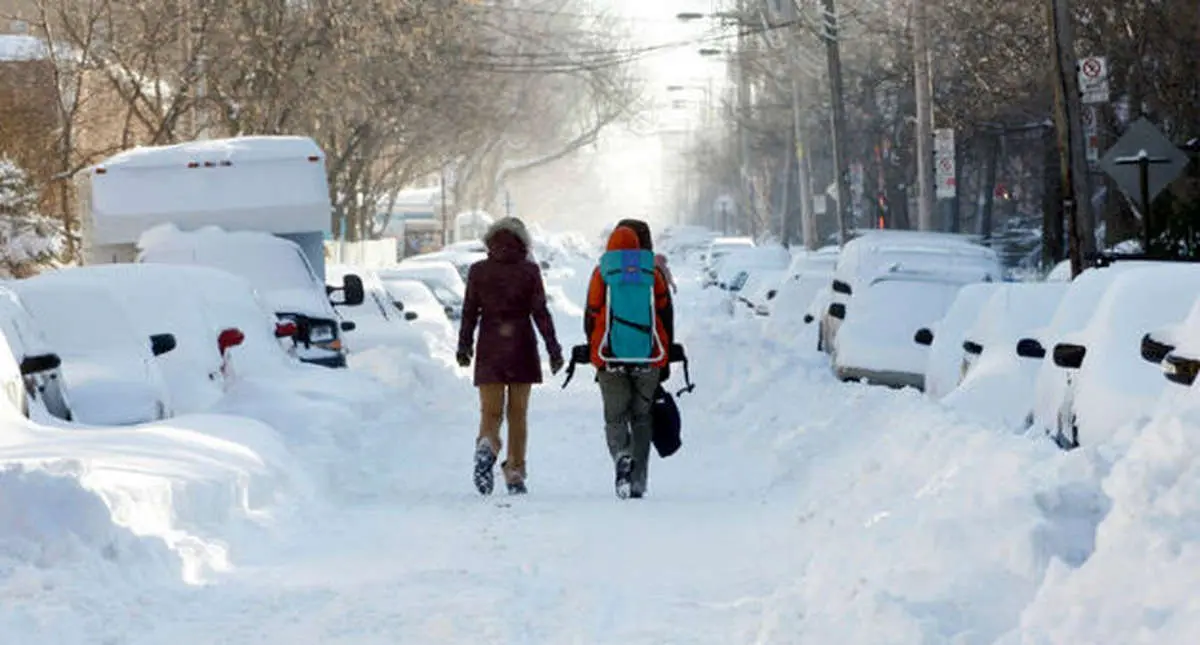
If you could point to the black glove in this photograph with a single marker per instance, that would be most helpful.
(464, 357)
(556, 364)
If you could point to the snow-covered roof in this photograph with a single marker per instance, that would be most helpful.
(236, 149)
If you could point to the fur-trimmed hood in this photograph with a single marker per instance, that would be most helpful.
(512, 225)
(509, 241)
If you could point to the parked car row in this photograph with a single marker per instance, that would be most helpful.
(124, 344)
(1078, 360)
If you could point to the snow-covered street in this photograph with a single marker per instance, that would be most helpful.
(801, 510)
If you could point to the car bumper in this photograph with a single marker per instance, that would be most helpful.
(886, 378)
(333, 360)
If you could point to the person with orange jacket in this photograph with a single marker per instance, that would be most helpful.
(627, 389)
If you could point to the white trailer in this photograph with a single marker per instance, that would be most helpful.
(271, 184)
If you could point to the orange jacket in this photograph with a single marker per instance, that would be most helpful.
(624, 238)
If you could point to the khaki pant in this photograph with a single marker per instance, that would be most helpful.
(496, 402)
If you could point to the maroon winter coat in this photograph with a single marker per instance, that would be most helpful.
(505, 297)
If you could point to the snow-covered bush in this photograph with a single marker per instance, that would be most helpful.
(28, 239)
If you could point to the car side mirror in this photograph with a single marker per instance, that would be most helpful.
(1069, 356)
(353, 293)
(399, 305)
(231, 337)
(162, 343)
(40, 363)
(1154, 351)
(1030, 348)
(842, 287)
(808, 318)
(972, 347)
(349, 325)
(771, 294)
(410, 315)
(837, 310)
(285, 329)
(1180, 370)
(544, 264)
(924, 336)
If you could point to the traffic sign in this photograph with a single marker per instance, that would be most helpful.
(1163, 160)
(1093, 79)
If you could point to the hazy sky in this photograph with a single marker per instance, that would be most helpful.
(632, 162)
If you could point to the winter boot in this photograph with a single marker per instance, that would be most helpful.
(485, 459)
(515, 479)
(624, 480)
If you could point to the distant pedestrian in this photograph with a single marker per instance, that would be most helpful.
(505, 298)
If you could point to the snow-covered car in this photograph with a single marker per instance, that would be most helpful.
(943, 369)
(877, 253)
(797, 293)
(461, 259)
(685, 241)
(875, 345)
(747, 276)
(1074, 313)
(40, 394)
(1109, 384)
(1176, 349)
(282, 276)
(109, 367)
(379, 320)
(442, 278)
(164, 298)
(413, 297)
(998, 383)
(716, 251)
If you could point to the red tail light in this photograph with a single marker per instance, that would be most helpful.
(314, 158)
(193, 164)
(231, 337)
(285, 329)
(101, 171)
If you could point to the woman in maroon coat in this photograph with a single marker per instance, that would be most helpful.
(505, 297)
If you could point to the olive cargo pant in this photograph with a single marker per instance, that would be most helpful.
(494, 410)
(628, 424)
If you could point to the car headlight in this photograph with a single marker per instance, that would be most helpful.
(321, 334)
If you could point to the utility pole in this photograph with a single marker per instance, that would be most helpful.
(808, 229)
(839, 117)
(808, 223)
(924, 91)
(1068, 121)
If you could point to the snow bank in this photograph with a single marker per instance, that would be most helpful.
(910, 526)
(1139, 585)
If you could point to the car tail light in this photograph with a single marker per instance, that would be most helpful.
(231, 337)
(285, 329)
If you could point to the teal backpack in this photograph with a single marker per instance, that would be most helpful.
(630, 326)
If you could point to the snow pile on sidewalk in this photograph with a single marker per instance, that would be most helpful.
(927, 529)
(1139, 586)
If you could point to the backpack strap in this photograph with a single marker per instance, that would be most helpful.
(579, 354)
(679, 355)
